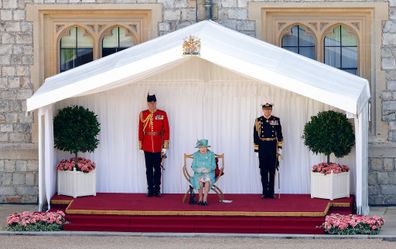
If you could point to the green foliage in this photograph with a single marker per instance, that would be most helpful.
(76, 129)
(329, 132)
(360, 228)
(38, 226)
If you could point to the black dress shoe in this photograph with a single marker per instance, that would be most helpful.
(150, 194)
(205, 203)
(200, 203)
(157, 194)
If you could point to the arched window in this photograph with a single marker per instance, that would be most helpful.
(300, 40)
(76, 48)
(117, 40)
(341, 49)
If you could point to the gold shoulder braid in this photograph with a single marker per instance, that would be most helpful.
(148, 119)
(258, 126)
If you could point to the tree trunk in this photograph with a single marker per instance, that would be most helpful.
(75, 158)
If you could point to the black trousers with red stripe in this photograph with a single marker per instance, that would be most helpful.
(153, 171)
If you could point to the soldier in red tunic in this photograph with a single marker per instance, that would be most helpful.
(154, 141)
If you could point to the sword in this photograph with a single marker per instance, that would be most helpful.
(163, 161)
(277, 168)
(163, 156)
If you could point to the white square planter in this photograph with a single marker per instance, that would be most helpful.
(76, 183)
(331, 186)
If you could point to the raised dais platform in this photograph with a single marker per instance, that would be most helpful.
(247, 213)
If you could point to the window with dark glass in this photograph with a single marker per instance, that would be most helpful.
(118, 39)
(341, 49)
(299, 40)
(76, 48)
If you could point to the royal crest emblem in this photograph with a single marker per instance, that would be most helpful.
(191, 46)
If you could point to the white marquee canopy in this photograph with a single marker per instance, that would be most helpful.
(272, 73)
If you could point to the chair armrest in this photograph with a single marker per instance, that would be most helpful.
(186, 174)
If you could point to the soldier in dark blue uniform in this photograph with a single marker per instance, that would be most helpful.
(268, 141)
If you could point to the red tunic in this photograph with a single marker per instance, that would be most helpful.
(153, 131)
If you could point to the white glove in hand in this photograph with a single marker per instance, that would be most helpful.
(163, 151)
(257, 154)
(279, 153)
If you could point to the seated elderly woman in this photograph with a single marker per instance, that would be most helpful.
(204, 166)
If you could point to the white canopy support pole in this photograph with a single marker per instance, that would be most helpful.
(41, 165)
(50, 171)
(47, 171)
(361, 134)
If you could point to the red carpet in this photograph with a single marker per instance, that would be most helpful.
(246, 214)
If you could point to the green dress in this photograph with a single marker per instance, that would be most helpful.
(204, 166)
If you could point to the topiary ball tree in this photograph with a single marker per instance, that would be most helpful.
(76, 129)
(329, 132)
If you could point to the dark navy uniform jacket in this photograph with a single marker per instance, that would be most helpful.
(266, 130)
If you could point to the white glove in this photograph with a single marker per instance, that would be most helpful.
(279, 153)
(141, 151)
(257, 154)
(163, 151)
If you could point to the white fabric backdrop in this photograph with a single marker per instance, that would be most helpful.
(202, 101)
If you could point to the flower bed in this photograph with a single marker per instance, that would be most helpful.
(79, 164)
(352, 224)
(328, 168)
(36, 221)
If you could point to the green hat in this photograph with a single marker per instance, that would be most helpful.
(202, 143)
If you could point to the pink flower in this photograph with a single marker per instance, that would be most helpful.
(12, 219)
(348, 224)
(328, 168)
(27, 219)
(61, 213)
(343, 225)
(80, 164)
